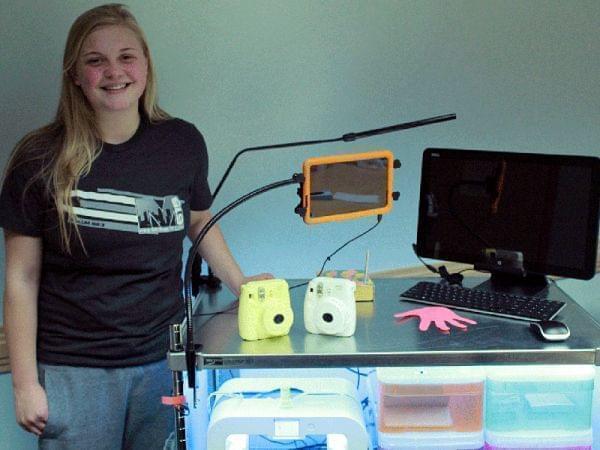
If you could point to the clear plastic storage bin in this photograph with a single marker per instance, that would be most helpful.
(430, 407)
(547, 440)
(430, 441)
(539, 398)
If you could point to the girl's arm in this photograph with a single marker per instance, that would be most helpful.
(215, 251)
(23, 268)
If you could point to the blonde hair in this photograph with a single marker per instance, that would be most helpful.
(72, 141)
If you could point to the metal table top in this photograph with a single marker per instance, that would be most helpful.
(380, 340)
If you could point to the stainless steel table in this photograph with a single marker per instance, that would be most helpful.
(381, 341)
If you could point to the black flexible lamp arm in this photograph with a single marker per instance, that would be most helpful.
(265, 147)
(402, 126)
(190, 353)
(348, 137)
(213, 281)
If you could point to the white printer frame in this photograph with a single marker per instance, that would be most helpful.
(287, 409)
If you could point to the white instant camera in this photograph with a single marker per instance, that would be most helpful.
(329, 306)
(265, 309)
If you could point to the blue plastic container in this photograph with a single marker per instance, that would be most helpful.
(541, 397)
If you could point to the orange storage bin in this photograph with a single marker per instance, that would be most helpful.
(430, 399)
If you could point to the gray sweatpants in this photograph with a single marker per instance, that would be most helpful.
(106, 408)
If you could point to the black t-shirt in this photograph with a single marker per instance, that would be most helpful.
(111, 305)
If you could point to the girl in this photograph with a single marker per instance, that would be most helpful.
(95, 207)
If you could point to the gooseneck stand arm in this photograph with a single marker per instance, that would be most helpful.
(348, 137)
(190, 351)
(213, 281)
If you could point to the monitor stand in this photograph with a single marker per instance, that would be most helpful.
(530, 284)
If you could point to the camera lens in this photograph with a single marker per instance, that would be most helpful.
(278, 318)
(327, 317)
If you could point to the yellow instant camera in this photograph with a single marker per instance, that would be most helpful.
(265, 309)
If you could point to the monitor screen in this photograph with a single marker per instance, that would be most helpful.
(504, 211)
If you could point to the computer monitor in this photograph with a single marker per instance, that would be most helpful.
(520, 216)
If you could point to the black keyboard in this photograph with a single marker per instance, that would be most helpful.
(495, 303)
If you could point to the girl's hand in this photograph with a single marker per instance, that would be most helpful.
(260, 276)
(31, 408)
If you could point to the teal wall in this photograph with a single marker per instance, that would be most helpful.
(520, 75)
(11, 436)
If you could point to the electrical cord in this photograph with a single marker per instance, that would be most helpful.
(223, 311)
(236, 303)
(379, 217)
(451, 278)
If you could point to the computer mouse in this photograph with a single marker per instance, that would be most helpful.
(551, 330)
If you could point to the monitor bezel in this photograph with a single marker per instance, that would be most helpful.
(585, 272)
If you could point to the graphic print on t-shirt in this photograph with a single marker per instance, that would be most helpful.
(128, 211)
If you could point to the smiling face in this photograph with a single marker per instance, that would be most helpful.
(111, 70)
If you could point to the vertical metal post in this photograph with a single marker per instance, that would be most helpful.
(176, 345)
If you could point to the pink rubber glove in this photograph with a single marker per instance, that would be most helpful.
(437, 314)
